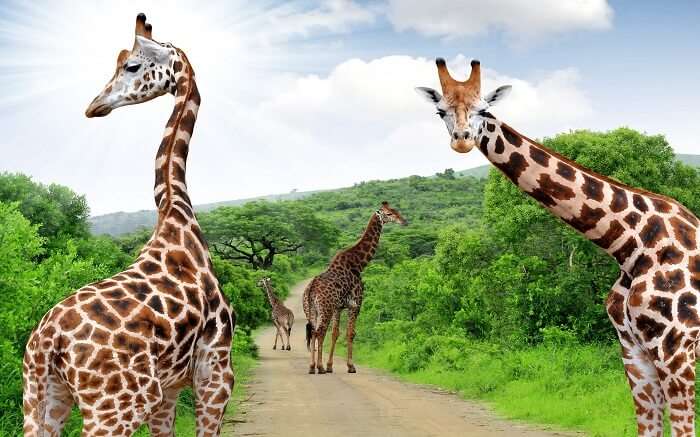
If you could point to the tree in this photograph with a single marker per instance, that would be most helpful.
(257, 231)
(60, 212)
(568, 277)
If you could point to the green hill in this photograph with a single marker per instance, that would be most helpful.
(119, 223)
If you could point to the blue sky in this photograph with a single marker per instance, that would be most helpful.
(318, 94)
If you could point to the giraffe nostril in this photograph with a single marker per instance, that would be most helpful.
(455, 135)
(466, 135)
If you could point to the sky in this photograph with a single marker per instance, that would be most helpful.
(306, 95)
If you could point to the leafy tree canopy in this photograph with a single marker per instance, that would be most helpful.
(60, 212)
(258, 231)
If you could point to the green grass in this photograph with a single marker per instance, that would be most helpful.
(577, 387)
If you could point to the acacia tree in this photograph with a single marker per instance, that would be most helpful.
(258, 231)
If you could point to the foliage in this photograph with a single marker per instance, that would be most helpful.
(484, 292)
(258, 231)
(59, 211)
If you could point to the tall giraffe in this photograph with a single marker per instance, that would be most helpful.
(653, 304)
(340, 287)
(282, 317)
(124, 347)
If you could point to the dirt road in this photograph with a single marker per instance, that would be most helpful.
(284, 400)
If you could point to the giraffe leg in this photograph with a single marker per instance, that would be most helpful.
(161, 422)
(277, 334)
(647, 393)
(320, 336)
(352, 317)
(334, 338)
(58, 406)
(679, 389)
(213, 382)
(288, 331)
(281, 330)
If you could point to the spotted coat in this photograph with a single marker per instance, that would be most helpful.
(123, 348)
(282, 317)
(340, 287)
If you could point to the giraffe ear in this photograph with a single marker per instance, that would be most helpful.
(151, 49)
(429, 94)
(498, 94)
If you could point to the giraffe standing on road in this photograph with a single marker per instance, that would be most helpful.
(340, 287)
(654, 303)
(124, 347)
(282, 317)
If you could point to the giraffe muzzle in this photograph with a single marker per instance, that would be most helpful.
(97, 110)
(462, 145)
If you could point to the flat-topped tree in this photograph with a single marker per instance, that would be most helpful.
(123, 348)
(255, 233)
(653, 304)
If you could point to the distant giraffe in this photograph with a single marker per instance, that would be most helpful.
(124, 347)
(282, 317)
(340, 287)
(654, 303)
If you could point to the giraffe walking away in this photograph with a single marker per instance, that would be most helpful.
(654, 303)
(282, 317)
(340, 287)
(124, 347)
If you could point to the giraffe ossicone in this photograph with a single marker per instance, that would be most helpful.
(123, 348)
(654, 303)
(340, 287)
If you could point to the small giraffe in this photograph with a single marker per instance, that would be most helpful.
(654, 303)
(340, 287)
(123, 348)
(282, 317)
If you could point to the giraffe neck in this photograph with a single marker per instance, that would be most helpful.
(358, 256)
(171, 160)
(271, 296)
(614, 216)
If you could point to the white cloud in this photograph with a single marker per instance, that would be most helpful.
(361, 121)
(261, 128)
(330, 16)
(362, 105)
(521, 19)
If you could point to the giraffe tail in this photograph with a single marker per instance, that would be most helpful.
(309, 330)
(35, 383)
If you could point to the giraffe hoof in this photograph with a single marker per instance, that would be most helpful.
(289, 348)
(274, 348)
(351, 369)
(329, 368)
(312, 370)
(321, 370)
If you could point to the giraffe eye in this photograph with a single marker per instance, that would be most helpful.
(441, 113)
(132, 68)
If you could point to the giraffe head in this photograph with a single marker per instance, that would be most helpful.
(388, 214)
(460, 105)
(264, 282)
(142, 74)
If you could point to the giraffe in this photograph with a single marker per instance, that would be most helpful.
(340, 287)
(654, 239)
(282, 317)
(123, 348)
